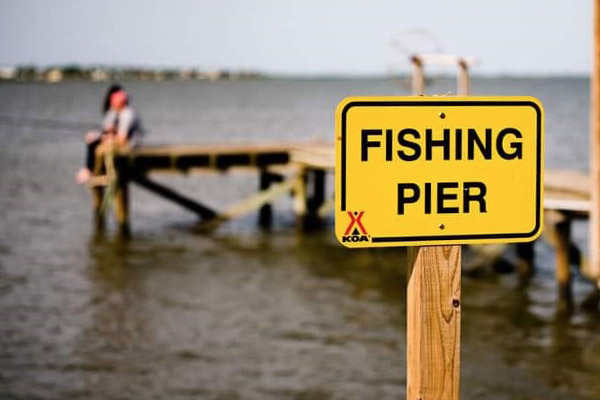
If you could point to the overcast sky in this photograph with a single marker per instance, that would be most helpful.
(304, 36)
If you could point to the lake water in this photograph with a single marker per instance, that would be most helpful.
(244, 313)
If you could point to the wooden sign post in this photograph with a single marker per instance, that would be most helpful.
(433, 174)
(433, 300)
(594, 264)
(433, 322)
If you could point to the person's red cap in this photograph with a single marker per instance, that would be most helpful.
(118, 98)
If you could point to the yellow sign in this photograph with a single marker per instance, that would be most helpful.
(427, 170)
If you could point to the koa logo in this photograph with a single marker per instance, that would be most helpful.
(355, 232)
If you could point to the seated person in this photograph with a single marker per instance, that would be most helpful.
(120, 125)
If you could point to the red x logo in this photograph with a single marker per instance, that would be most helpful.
(355, 220)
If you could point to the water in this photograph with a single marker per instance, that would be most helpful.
(243, 313)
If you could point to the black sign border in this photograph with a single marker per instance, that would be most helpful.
(449, 103)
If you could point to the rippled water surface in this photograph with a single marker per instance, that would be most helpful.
(243, 313)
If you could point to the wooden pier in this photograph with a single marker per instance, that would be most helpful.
(282, 168)
(301, 169)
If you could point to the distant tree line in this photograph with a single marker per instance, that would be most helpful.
(32, 73)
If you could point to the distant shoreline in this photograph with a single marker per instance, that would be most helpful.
(55, 74)
(31, 73)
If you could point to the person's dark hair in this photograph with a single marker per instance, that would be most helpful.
(112, 89)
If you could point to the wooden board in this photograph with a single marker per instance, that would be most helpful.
(569, 184)
(568, 191)
(322, 156)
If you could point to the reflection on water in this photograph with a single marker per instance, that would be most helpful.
(242, 313)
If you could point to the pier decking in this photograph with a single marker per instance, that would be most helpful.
(568, 191)
(184, 159)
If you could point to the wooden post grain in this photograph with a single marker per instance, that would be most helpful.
(433, 323)
(594, 264)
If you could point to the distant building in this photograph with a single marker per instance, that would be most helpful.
(8, 73)
(210, 75)
(186, 74)
(53, 75)
(99, 75)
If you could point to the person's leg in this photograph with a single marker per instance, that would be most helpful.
(92, 141)
(90, 158)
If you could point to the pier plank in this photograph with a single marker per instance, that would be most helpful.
(568, 191)
(572, 184)
(220, 157)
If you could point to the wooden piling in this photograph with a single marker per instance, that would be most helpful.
(265, 213)
(98, 211)
(315, 197)
(525, 256)
(117, 168)
(97, 193)
(594, 264)
(122, 204)
(299, 198)
(433, 323)
(463, 78)
(559, 227)
(418, 80)
(563, 267)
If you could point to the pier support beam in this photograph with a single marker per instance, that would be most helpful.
(317, 197)
(525, 256)
(265, 213)
(203, 212)
(97, 192)
(309, 197)
(558, 226)
(563, 266)
(98, 212)
(299, 198)
(122, 203)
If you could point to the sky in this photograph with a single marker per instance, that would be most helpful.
(305, 37)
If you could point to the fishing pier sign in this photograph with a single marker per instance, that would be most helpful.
(414, 171)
